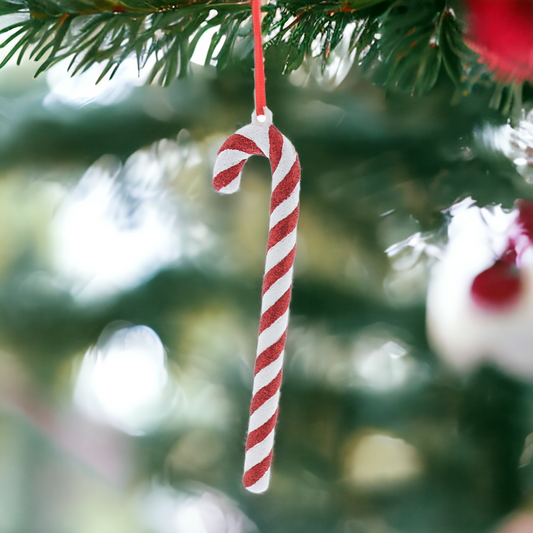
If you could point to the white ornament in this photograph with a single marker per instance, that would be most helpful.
(463, 332)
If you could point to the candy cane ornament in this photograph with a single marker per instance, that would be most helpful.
(262, 138)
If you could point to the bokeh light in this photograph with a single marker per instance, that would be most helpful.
(124, 380)
(116, 227)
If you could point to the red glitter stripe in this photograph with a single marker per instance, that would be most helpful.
(224, 178)
(276, 311)
(278, 271)
(264, 394)
(261, 433)
(286, 186)
(270, 354)
(276, 147)
(283, 228)
(241, 143)
(252, 476)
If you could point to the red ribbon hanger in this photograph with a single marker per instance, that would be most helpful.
(259, 72)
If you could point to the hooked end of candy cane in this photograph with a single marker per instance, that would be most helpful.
(230, 188)
(228, 172)
(233, 155)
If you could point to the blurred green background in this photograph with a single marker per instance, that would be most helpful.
(130, 297)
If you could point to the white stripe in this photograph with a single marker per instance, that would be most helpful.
(256, 454)
(288, 157)
(267, 374)
(264, 413)
(280, 251)
(276, 291)
(258, 133)
(261, 485)
(286, 207)
(273, 333)
(228, 159)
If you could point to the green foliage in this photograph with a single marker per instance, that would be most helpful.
(302, 28)
(416, 41)
(404, 43)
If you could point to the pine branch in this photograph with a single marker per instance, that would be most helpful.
(111, 33)
(404, 44)
(417, 42)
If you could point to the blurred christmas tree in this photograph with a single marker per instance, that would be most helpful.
(130, 291)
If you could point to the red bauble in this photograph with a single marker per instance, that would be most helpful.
(501, 32)
(497, 288)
